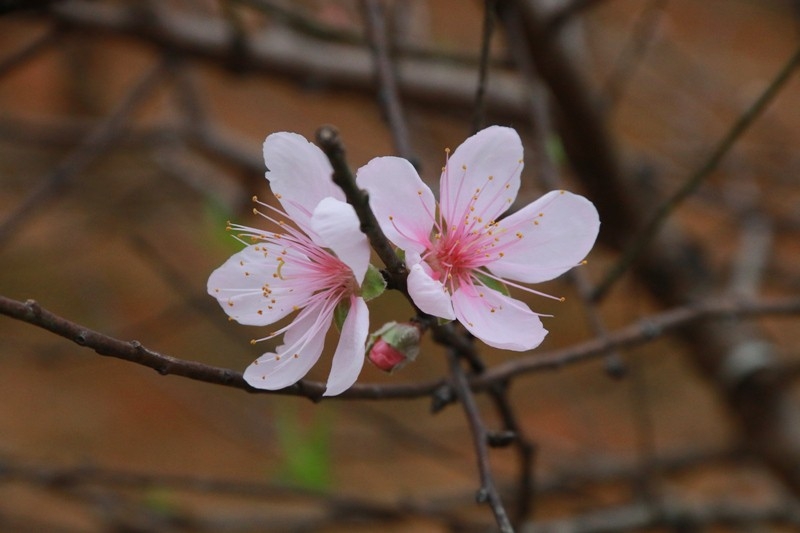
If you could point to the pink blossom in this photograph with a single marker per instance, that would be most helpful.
(312, 268)
(460, 253)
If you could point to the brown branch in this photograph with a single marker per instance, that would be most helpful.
(567, 13)
(437, 81)
(478, 114)
(134, 352)
(374, 16)
(28, 52)
(641, 332)
(488, 492)
(655, 223)
(95, 145)
(330, 142)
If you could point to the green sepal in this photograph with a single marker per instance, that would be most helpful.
(401, 254)
(555, 149)
(373, 284)
(340, 313)
(492, 283)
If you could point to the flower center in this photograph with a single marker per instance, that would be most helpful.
(453, 255)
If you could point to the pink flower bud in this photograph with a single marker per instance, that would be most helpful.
(394, 345)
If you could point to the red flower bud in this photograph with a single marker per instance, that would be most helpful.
(394, 345)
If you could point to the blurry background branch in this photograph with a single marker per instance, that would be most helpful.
(618, 101)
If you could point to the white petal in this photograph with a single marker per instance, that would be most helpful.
(299, 174)
(498, 320)
(429, 294)
(483, 173)
(349, 356)
(302, 345)
(247, 290)
(337, 227)
(402, 203)
(557, 231)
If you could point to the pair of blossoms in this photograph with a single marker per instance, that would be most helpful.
(461, 255)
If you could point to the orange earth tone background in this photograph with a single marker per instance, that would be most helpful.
(127, 246)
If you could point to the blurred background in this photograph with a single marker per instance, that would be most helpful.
(130, 132)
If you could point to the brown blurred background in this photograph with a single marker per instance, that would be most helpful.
(121, 237)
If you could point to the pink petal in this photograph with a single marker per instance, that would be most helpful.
(299, 174)
(349, 356)
(557, 231)
(498, 320)
(402, 203)
(337, 226)
(429, 295)
(239, 287)
(302, 345)
(494, 152)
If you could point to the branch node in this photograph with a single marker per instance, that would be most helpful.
(442, 397)
(615, 367)
(34, 307)
(82, 337)
(482, 495)
(500, 439)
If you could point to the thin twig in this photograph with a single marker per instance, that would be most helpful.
(488, 492)
(28, 52)
(478, 113)
(330, 142)
(526, 454)
(634, 250)
(374, 15)
(539, 114)
(96, 144)
(642, 35)
(567, 13)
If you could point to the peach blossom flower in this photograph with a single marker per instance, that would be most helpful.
(313, 269)
(461, 254)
